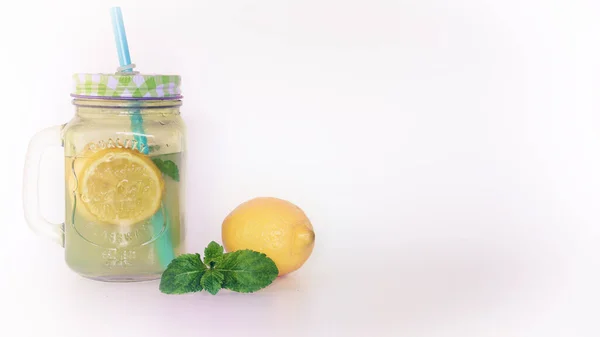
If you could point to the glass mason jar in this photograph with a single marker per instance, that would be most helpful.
(124, 177)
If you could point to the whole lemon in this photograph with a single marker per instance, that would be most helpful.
(272, 226)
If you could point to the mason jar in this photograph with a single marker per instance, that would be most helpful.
(124, 153)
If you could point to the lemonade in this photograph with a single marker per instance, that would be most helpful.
(124, 176)
(123, 215)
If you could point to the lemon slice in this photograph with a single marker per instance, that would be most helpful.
(120, 186)
(74, 169)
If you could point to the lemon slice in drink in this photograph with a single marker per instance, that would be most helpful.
(120, 186)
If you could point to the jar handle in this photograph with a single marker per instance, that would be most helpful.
(42, 140)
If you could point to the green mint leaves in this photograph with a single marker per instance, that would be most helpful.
(183, 275)
(213, 254)
(247, 271)
(243, 271)
(167, 167)
(212, 281)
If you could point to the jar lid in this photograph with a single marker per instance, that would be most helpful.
(127, 86)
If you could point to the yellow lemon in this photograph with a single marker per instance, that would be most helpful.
(120, 186)
(272, 226)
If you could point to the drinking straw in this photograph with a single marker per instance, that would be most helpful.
(163, 245)
(137, 121)
(121, 38)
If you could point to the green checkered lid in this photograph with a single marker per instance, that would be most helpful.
(127, 86)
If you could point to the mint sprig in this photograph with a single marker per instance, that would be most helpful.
(167, 167)
(243, 271)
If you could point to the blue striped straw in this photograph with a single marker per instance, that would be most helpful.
(163, 246)
(137, 123)
(120, 38)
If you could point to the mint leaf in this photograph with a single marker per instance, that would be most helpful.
(167, 167)
(213, 254)
(183, 275)
(246, 271)
(212, 281)
(153, 148)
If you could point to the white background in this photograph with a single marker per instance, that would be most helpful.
(446, 151)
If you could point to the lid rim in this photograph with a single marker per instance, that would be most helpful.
(120, 98)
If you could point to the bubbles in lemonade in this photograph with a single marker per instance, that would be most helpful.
(123, 214)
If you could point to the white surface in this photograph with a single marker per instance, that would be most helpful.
(447, 153)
